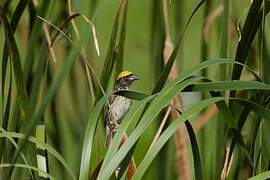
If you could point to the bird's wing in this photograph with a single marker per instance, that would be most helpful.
(107, 112)
(108, 136)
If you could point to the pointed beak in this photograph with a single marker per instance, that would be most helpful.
(134, 77)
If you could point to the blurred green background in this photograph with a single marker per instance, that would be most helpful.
(67, 112)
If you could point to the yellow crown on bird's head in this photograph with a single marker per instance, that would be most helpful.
(123, 74)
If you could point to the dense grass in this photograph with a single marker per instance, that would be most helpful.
(200, 109)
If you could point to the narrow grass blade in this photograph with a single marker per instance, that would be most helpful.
(196, 151)
(16, 146)
(6, 115)
(224, 39)
(96, 171)
(157, 37)
(251, 26)
(121, 44)
(14, 53)
(27, 167)
(89, 138)
(228, 85)
(204, 65)
(56, 83)
(53, 89)
(34, 37)
(166, 71)
(260, 110)
(261, 176)
(41, 155)
(132, 94)
(51, 150)
(13, 23)
(151, 154)
(110, 59)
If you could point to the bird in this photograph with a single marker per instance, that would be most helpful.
(117, 106)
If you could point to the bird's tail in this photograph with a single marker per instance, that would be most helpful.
(109, 136)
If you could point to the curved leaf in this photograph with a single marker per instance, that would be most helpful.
(261, 176)
(252, 23)
(16, 146)
(42, 145)
(13, 24)
(27, 167)
(195, 151)
(88, 139)
(16, 62)
(132, 94)
(164, 137)
(227, 85)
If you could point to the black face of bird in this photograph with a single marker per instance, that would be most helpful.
(126, 81)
